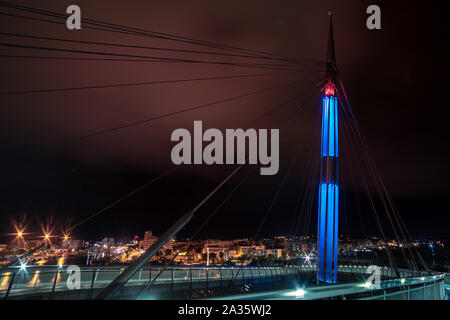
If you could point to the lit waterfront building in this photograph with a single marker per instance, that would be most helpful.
(150, 239)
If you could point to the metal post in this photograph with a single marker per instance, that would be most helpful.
(259, 272)
(94, 277)
(190, 271)
(172, 276)
(54, 281)
(233, 277)
(149, 276)
(424, 291)
(148, 288)
(221, 279)
(206, 270)
(13, 275)
(36, 281)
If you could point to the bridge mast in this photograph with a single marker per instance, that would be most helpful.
(327, 233)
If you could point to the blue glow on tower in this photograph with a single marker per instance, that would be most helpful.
(327, 235)
(329, 127)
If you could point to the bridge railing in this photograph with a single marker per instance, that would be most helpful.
(16, 282)
(427, 291)
(35, 280)
(385, 272)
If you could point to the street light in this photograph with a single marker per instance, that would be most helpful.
(23, 266)
(300, 293)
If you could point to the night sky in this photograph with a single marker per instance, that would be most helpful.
(395, 78)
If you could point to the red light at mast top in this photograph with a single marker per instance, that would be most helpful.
(330, 89)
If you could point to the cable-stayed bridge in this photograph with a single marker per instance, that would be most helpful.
(329, 171)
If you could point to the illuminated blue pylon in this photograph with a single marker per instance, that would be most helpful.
(328, 219)
(327, 235)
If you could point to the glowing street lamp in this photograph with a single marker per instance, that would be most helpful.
(47, 238)
(23, 266)
(300, 293)
(19, 236)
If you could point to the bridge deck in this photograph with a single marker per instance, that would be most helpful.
(420, 288)
(51, 281)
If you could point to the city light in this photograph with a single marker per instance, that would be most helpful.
(47, 231)
(298, 294)
(60, 262)
(23, 266)
(402, 280)
(329, 89)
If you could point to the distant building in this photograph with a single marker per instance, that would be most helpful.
(150, 239)
(277, 253)
(76, 243)
(216, 245)
(108, 242)
(253, 249)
